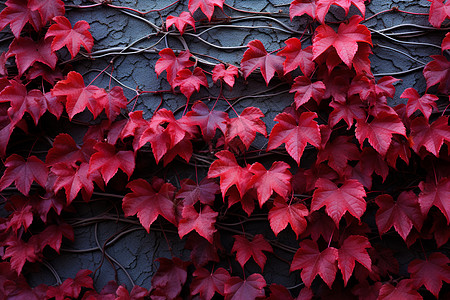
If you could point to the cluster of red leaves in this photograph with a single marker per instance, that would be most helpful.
(340, 114)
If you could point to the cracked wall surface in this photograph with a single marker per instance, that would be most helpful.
(114, 31)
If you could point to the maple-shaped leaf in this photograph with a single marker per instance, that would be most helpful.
(190, 81)
(338, 152)
(352, 250)
(438, 12)
(27, 52)
(47, 9)
(74, 179)
(202, 222)
(277, 179)
(206, 6)
(324, 5)
(425, 104)
(108, 160)
(256, 56)
(227, 75)
(181, 21)
(149, 201)
(23, 101)
(246, 125)
(170, 277)
(305, 89)
(72, 287)
(23, 172)
(191, 192)
(437, 194)
(208, 120)
(301, 7)
(403, 290)
(278, 291)
(21, 252)
(137, 293)
(250, 288)
(22, 216)
(78, 95)
(202, 251)
(400, 148)
(438, 71)
(282, 214)
(379, 131)
(206, 283)
(345, 41)
(245, 249)
(446, 42)
(313, 262)
(64, 35)
(430, 272)
(230, 173)
(171, 63)
(65, 150)
(17, 13)
(295, 131)
(348, 111)
(113, 101)
(338, 200)
(402, 214)
(431, 136)
(297, 57)
(53, 234)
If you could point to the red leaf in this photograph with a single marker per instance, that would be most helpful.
(53, 234)
(430, 272)
(149, 201)
(301, 7)
(438, 71)
(113, 101)
(338, 200)
(137, 293)
(248, 289)
(170, 63)
(446, 42)
(207, 283)
(352, 250)
(227, 75)
(245, 249)
(305, 89)
(257, 57)
(324, 5)
(202, 222)
(73, 179)
(108, 160)
(202, 251)
(180, 22)
(401, 214)
(170, 277)
(295, 131)
(20, 252)
(283, 214)
(23, 101)
(17, 13)
(47, 9)
(28, 52)
(246, 125)
(22, 216)
(191, 192)
(349, 111)
(345, 41)
(72, 287)
(206, 6)
(379, 131)
(190, 82)
(437, 194)
(208, 120)
(277, 179)
(432, 136)
(278, 291)
(338, 153)
(313, 262)
(230, 173)
(438, 12)
(296, 56)
(64, 35)
(23, 173)
(78, 95)
(403, 290)
(65, 150)
(425, 104)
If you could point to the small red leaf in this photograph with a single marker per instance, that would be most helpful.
(248, 289)
(245, 249)
(283, 214)
(207, 283)
(227, 75)
(181, 21)
(190, 82)
(246, 125)
(202, 222)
